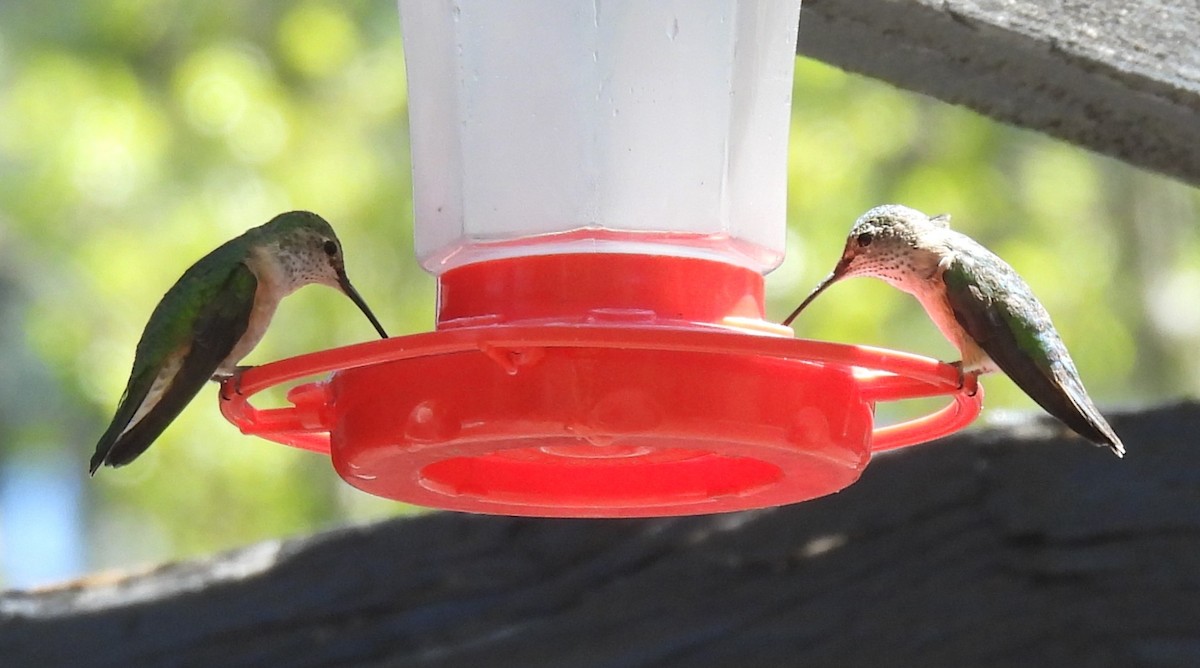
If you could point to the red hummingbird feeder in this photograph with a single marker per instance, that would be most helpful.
(601, 348)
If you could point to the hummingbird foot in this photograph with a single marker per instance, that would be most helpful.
(962, 377)
(233, 378)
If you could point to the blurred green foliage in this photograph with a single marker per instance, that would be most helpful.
(136, 135)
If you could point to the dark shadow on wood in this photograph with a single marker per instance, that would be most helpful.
(1002, 546)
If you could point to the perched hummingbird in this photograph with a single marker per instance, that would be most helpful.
(212, 317)
(978, 302)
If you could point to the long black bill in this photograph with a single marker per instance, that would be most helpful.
(826, 282)
(358, 301)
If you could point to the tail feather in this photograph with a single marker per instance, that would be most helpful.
(1087, 421)
(135, 394)
(105, 446)
(122, 444)
(128, 446)
(1064, 398)
(1062, 395)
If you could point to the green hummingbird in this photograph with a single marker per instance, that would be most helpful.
(978, 302)
(212, 317)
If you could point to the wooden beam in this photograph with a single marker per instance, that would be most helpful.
(1004, 546)
(1120, 77)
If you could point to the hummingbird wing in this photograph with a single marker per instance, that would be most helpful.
(186, 350)
(998, 310)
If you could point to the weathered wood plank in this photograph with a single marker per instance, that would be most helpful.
(1120, 77)
(1013, 546)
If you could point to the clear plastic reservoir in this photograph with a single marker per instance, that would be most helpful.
(627, 126)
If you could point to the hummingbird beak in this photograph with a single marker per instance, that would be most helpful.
(344, 284)
(833, 277)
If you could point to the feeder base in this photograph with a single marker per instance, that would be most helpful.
(600, 421)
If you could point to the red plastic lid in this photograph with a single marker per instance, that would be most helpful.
(600, 386)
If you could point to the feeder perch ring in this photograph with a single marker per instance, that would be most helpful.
(599, 421)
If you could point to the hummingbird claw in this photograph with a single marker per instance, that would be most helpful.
(962, 377)
(235, 379)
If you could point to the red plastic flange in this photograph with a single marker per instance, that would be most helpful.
(600, 386)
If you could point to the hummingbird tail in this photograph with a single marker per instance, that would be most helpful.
(120, 446)
(1084, 419)
(1087, 421)
(126, 411)
(1111, 440)
(1118, 448)
(125, 449)
(134, 440)
(1080, 414)
(124, 442)
(96, 463)
(1063, 396)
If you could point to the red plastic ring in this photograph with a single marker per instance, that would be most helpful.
(599, 421)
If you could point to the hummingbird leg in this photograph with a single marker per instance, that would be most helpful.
(235, 376)
(962, 377)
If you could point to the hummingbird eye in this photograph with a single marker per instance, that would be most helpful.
(864, 239)
(331, 247)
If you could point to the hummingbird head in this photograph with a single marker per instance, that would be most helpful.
(891, 242)
(310, 252)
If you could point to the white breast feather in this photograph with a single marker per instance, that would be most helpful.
(274, 283)
(932, 295)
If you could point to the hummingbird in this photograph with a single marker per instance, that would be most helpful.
(212, 317)
(978, 302)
